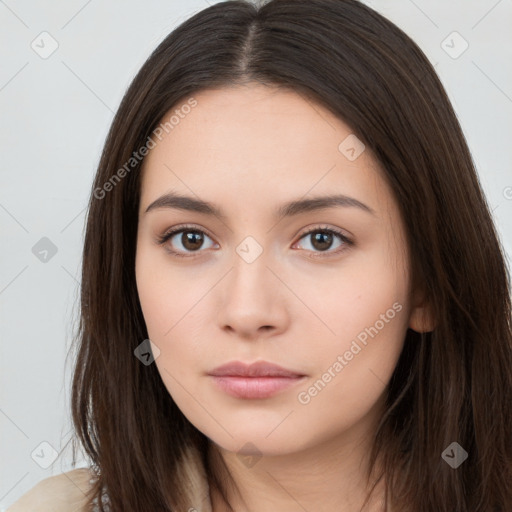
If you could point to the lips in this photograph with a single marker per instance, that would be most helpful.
(257, 380)
(257, 369)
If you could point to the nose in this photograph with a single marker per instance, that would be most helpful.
(252, 301)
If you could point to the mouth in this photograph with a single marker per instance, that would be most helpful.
(258, 380)
(254, 387)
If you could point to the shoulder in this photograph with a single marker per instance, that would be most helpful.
(66, 492)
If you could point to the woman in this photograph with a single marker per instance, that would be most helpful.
(293, 294)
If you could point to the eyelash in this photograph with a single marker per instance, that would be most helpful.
(162, 239)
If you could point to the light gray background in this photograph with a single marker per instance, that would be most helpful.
(55, 113)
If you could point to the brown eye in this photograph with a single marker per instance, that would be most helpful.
(183, 240)
(322, 239)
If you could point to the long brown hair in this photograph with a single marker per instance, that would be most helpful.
(453, 384)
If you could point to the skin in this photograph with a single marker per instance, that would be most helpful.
(248, 149)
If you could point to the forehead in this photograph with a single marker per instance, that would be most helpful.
(252, 119)
(256, 142)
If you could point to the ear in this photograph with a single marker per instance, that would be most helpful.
(421, 318)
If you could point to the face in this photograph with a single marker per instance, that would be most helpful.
(322, 292)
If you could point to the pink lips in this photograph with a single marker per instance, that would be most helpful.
(257, 380)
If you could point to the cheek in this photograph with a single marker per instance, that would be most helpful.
(171, 305)
(163, 308)
(364, 314)
(345, 300)
(165, 291)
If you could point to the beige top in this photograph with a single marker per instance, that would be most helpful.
(60, 493)
(67, 492)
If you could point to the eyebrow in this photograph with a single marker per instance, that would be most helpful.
(289, 209)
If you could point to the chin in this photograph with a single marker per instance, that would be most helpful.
(254, 443)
